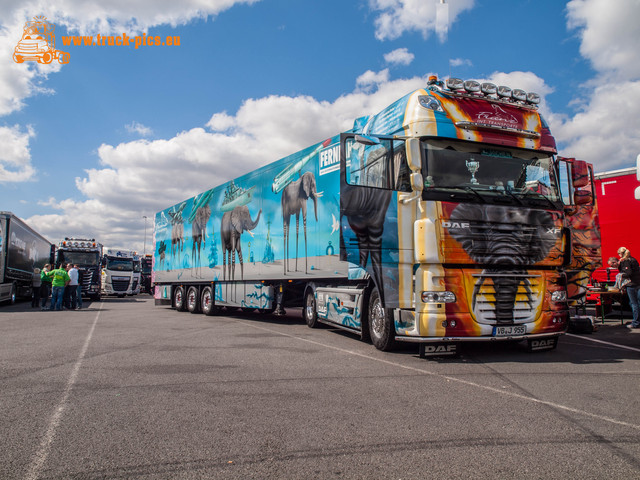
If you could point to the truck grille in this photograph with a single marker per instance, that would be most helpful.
(120, 285)
(506, 297)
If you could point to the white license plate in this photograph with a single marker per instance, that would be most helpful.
(509, 331)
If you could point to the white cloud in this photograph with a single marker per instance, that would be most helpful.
(460, 62)
(15, 158)
(140, 129)
(604, 131)
(370, 79)
(399, 56)
(143, 177)
(422, 16)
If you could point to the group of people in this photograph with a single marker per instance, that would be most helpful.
(628, 279)
(62, 283)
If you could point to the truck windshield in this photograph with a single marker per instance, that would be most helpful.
(83, 259)
(120, 264)
(482, 173)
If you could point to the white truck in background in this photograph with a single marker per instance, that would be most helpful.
(118, 276)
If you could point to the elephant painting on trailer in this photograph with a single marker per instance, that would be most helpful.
(233, 224)
(198, 234)
(294, 201)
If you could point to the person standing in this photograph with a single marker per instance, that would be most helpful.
(36, 283)
(630, 270)
(73, 286)
(45, 286)
(59, 280)
(79, 290)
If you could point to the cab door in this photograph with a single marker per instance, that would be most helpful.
(582, 229)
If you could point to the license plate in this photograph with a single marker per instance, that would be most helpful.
(511, 330)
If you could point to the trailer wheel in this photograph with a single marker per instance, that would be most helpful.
(206, 302)
(179, 299)
(381, 326)
(193, 304)
(309, 310)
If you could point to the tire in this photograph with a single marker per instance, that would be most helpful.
(193, 300)
(14, 289)
(309, 312)
(18, 58)
(47, 58)
(179, 300)
(381, 327)
(207, 305)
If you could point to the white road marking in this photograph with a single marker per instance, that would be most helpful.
(458, 380)
(45, 446)
(603, 342)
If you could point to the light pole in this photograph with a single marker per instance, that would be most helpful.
(145, 235)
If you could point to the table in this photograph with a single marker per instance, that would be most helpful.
(614, 296)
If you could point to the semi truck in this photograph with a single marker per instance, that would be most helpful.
(117, 273)
(619, 208)
(87, 254)
(22, 250)
(445, 218)
(147, 265)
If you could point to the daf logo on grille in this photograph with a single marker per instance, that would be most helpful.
(448, 224)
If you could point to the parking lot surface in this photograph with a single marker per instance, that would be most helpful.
(125, 389)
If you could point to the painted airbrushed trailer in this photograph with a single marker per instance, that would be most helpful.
(445, 218)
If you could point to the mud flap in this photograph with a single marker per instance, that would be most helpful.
(429, 350)
(541, 344)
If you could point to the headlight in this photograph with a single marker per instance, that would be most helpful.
(438, 297)
(559, 296)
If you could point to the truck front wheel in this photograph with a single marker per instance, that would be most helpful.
(381, 326)
(14, 289)
(309, 310)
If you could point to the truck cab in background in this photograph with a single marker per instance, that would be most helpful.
(87, 254)
(147, 265)
(137, 275)
(117, 273)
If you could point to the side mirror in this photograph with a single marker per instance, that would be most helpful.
(582, 197)
(580, 174)
(413, 154)
(417, 183)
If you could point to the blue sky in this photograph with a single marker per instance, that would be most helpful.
(118, 133)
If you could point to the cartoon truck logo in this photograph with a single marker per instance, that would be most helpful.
(38, 43)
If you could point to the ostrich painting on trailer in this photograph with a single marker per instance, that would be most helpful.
(294, 202)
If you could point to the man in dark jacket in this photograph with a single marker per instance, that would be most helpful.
(630, 270)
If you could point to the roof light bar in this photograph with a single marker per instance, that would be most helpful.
(488, 88)
(519, 95)
(504, 92)
(471, 86)
(455, 84)
(533, 98)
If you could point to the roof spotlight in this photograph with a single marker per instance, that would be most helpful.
(454, 84)
(504, 92)
(519, 95)
(471, 86)
(488, 88)
(533, 98)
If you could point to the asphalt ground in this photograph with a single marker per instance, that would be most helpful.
(124, 389)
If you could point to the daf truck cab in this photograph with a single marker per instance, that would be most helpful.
(117, 273)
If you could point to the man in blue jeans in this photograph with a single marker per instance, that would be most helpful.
(59, 279)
